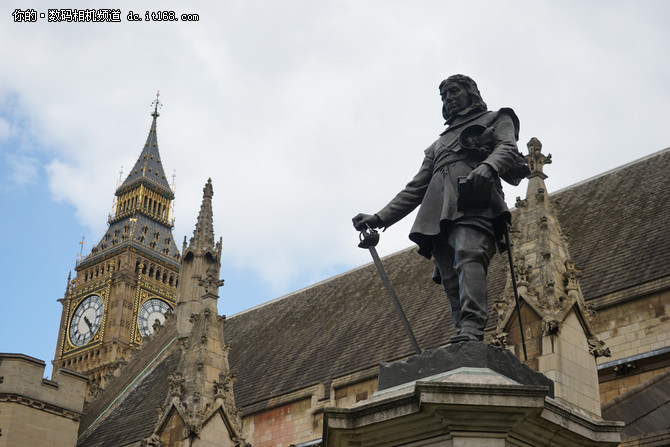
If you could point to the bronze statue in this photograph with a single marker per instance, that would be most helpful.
(477, 149)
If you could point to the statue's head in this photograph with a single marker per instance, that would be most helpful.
(473, 100)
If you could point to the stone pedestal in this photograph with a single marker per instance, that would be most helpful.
(460, 355)
(456, 397)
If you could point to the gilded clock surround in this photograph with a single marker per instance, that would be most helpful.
(100, 288)
(86, 320)
(149, 288)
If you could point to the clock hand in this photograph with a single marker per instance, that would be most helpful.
(90, 326)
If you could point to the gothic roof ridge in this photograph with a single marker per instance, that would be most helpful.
(148, 167)
(611, 171)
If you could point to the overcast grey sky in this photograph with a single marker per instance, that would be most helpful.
(303, 113)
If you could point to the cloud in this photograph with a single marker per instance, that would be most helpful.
(23, 170)
(5, 129)
(306, 113)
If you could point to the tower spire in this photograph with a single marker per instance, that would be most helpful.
(146, 195)
(148, 169)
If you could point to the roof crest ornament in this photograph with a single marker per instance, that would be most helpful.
(156, 102)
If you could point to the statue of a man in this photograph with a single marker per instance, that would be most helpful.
(460, 238)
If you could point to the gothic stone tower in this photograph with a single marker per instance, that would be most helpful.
(130, 278)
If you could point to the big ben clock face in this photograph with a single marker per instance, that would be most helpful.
(86, 320)
(152, 310)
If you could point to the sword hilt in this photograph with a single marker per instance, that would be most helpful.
(369, 237)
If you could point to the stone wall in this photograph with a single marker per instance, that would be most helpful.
(635, 327)
(566, 360)
(298, 417)
(38, 412)
(638, 335)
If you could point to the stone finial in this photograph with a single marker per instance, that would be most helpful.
(521, 268)
(177, 384)
(69, 283)
(152, 441)
(211, 283)
(536, 159)
(224, 384)
(571, 276)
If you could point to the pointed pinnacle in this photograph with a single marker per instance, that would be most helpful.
(203, 234)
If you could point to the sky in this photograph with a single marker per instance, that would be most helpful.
(303, 113)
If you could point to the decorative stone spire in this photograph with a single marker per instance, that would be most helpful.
(203, 234)
(557, 322)
(199, 271)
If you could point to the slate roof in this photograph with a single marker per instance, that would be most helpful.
(134, 418)
(141, 233)
(645, 409)
(618, 226)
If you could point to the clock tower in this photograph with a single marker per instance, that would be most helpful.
(130, 278)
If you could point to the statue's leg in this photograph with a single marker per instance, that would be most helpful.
(443, 255)
(473, 249)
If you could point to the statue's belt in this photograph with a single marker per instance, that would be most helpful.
(451, 157)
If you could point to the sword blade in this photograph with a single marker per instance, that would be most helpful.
(394, 298)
